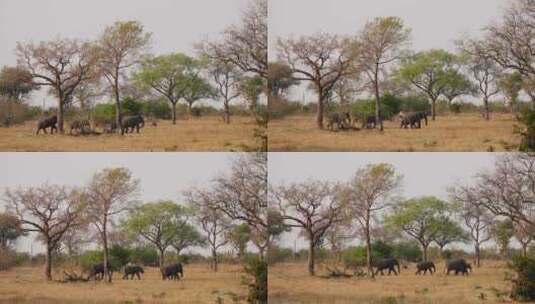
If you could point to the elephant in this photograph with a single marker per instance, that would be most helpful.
(131, 122)
(97, 271)
(49, 122)
(425, 266)
(81, 126)
(389, 264)
(458, 265)
(340, 119)
(131, 270)
(174, 271)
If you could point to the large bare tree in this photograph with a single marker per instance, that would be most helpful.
(509, 189)
(380, 43)
(227, 80)
(322, 59)
(61, 64)
(311, 206)
(48, 210)
(371, 190)
(243, 45)
(474, 215)
(121, 47)
(110, 192)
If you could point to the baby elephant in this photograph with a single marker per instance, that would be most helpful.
(49, 122)
(132, 270)
(425, 266)
(172, 272)
(459, 265)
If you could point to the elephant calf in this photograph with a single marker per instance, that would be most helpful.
(49, 122)
(425, 266)
(132, 270)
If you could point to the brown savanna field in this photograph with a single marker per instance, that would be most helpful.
(207, 133)
(453, 133)
(290, 283)
(200, 285)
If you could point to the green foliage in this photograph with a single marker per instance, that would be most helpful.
(526, 129)
(120, 254)
(257, 275)
(391, 105)
(15, 83)
(524, 286)
(503, 231)
(239, 236)
(145, 256)
(407, 250)
(278, 254)
(131, 106)
(158, 109)
(10, 230)
(103, 112)
(116, 256)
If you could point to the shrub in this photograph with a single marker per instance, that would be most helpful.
(526, 129)
(103, 112)
(12, 112)
(145, 256)
(159, 109)
(131, 106)
(524, 284)
(257, 273)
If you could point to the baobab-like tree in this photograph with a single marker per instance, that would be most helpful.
(60, 64)
(48, 210)
(311, 206)
(322, 59)
(110, 192)
(120, 48)
(371, 190)
(381, 42)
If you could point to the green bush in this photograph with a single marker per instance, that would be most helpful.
(407, 250)
(145, 256)
(103, 112)
(131, 106)
(526, 129)
(257, 274)
(116, 255)
(159, 109)
(524, 285)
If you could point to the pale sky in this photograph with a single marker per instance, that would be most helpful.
(163, 176)
(176, 24)
(434, 23)
(423, 173)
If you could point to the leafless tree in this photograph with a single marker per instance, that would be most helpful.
(474, 215)
(510, 42)
(380, 43)
(61, 64)
(371, 190)
(48, 210)
(322, 59)
(311, 206)
(213, 222)
(525, 235)
(121, 47)
(227, 79)
(509, 189)
(244, 45)
(110, 192)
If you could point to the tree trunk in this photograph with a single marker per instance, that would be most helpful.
(311, 256)
(106, 254)
(118, 107)
(319, 109)
(378, 118)
(368, 246)
(424, 252)
(190, 107)
(478, 255)
(433, 108)
(161, 257)
(214, 260)
(60, 116)
(226, 113)
(173, 114)
(48, 263)
(487, 110)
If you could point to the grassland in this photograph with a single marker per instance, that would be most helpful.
(200, 285)
(196, 134)
(290, 283)
(455, 133)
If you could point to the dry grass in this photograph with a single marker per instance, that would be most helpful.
(197, 134)
(200, 285)
(466, 132)
(290, 283)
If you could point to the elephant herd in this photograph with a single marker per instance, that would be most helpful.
(343, 120)
(83, 126)
(392, 265)
(170, 272)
